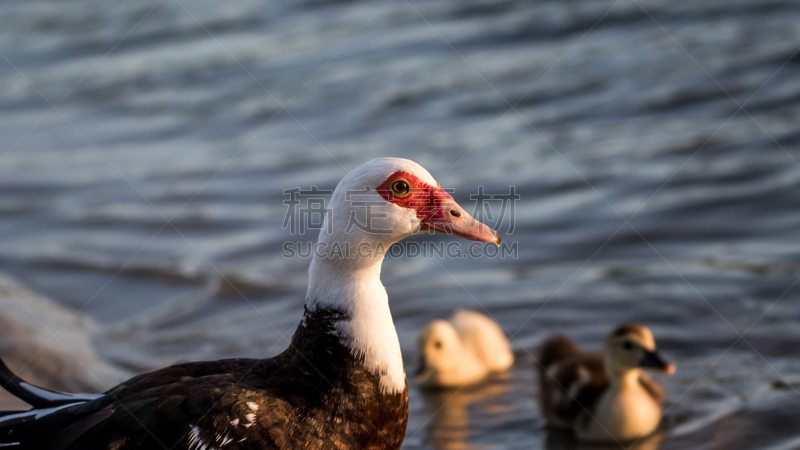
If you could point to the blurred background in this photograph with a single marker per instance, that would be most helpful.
(145, 147)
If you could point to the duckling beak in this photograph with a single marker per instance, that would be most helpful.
(443, 215)
(654, 360)
(421, 372)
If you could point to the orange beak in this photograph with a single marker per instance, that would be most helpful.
(442, 214)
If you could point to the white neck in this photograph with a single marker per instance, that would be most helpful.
(356, 289)
(351, 283)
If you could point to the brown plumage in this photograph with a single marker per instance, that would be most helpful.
(569, 380)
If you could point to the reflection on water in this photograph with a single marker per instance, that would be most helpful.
(562, 440)
(455, 413)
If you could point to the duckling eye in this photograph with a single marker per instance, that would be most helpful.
(401, 188)
(627, 345)
(437, 344)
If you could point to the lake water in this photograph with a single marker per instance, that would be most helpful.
(654, 145)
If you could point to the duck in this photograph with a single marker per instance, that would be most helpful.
(341, 382)
(461, 350)
(603, 397)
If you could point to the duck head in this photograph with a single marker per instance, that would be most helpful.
(441, 356)
(388, 199)
(632, 346)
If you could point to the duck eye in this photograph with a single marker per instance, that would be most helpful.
(628, 345)
(401, 188)
(437, 344)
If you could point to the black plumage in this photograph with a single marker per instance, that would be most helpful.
(315, 395)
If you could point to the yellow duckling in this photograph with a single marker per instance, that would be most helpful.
(603, 398)
(461, 350)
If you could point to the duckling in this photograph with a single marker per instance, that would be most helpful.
(461, 350)
(603, 398)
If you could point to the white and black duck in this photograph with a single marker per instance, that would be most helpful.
(341, 383)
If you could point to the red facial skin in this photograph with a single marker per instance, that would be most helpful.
(429, 201)
(436, 209)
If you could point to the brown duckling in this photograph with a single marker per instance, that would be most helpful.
(603, 397)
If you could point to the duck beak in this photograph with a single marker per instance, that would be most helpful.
(422, 371)
(654, 360)
(443, 215)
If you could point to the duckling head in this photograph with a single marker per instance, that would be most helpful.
(441, 356)
(631, 346)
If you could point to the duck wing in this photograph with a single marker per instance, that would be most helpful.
(652, 387)
(569, 386)
(186, 407)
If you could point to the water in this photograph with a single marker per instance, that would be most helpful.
(646, 193)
